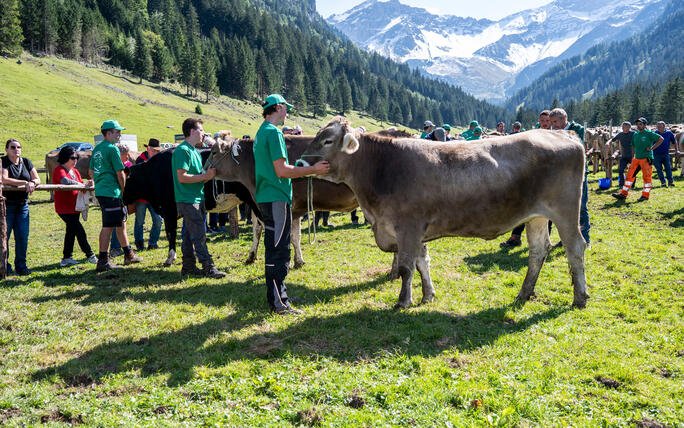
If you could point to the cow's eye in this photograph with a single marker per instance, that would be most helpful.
(327, 142)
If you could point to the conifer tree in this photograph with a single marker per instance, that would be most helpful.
(142, 60)
(10, 28)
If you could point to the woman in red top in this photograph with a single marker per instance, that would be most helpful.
(65, 206)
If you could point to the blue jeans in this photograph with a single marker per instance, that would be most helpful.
(114, 243)
(140, 209)
(658, 161)
(18, 221)
(584, 212)
(621, 170)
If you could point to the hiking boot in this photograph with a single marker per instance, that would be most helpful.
(212, 272)
(191, 271)
(642, 199)
(139, 246)
(153, 247)
(671, 184)
(131, 258)
(286, 310)
(619, 196)
(68, 262)
(510, 243)
(105, 264)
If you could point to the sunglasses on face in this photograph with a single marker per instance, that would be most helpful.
(15, 147)
(73, 157)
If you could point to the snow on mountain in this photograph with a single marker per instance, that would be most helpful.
(493, 59)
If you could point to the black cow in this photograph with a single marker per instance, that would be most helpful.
(153, 182)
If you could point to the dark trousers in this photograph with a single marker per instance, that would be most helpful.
(74, 230)
(217, 220)
(520, 229)
(194, 235)
(277, 218)
(663, 161)
(324, 215)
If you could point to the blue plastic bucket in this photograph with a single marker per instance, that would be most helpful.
(604, 183)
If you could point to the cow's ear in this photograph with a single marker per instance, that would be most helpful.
(350, 144)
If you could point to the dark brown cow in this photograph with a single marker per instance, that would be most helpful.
(414, 192)
(234, 161)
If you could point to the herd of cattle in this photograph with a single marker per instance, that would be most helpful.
(411, 192)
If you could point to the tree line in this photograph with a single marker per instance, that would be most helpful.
(246, 49)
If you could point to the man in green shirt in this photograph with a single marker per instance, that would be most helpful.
(427, 128)
(188, 189)
(476, 134)
(643, 142)
(108, 175)
(469, 133)
(274, 196)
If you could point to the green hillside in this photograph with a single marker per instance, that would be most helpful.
(49, 101)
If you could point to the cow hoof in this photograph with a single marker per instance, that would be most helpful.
(251, 259)
(403, 305)
(427, 299)
(393, 276)
(170, 259)
(580, 303)
(524, 297)
(298, 264)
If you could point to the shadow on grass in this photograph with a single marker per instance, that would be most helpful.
(348, 337)
(504, 259)
(118, 278)
(677, 215)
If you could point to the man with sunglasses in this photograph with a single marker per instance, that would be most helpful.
(107, 171)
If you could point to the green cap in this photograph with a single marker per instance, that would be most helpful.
(111, 124)
(477, 130)
(447, 127)
(474, 123)
(274, 99)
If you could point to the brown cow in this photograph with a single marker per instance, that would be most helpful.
(413, 193)
(234, 161)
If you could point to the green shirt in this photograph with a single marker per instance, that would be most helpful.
(474, 137)
(641, 140)
(188, 158)
(423, 135)
(269, 146)
(105, 163)
(468, 135)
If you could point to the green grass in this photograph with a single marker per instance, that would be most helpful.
(140, 347)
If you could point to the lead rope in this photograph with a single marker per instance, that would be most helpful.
(311, 214)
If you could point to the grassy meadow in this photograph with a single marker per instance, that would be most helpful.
(142, 347)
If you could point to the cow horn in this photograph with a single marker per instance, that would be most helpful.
(350, 144)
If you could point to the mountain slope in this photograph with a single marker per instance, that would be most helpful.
(491, 59)
(651, 57)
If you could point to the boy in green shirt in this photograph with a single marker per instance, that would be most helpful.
(108, 175)
(643, 142)
(188, 189)
(274, 196)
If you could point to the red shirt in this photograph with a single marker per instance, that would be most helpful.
(65, 200)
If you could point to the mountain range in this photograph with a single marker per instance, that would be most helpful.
(493, 59)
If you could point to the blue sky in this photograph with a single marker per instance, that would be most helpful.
(491, 9)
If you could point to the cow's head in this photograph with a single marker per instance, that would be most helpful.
(227, 156)
(335, 142)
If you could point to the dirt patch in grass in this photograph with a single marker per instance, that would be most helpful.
(79, 380)
(263, 345)
(9, 413)
(457, 362)
(309, 417)
(649, 423)
(355, 400)
(377, 271)
(119, 392)
(161, 410)
(61, 416)
(666, 373)
(608, 382)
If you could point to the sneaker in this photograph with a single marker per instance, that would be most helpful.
(104, 266)
(286, 310)
(92, 259)
(116, 252)
(68, 262)
(153, 247)
(212, 272)
(139, 246)
(619, 196)
(510, 243)
(671, 184)
(191, 271)
(642, 199)
(129, 259)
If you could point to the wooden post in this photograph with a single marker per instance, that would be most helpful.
(233, 223)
